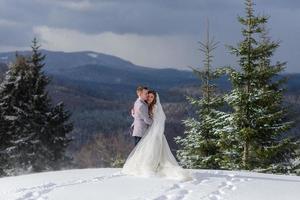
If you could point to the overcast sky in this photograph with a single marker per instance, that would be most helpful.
(154, 33)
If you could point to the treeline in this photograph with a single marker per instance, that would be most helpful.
(33, 131)
(245, 128)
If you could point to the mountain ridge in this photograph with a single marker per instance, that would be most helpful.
(100, 94)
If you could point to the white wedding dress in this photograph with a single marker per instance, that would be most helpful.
(152, 155)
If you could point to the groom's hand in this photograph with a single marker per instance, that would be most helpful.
(132, 112)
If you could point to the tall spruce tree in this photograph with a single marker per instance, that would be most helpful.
(51, 120)
(258, 119)
(200, 145)
(15, 106)
(33, 131)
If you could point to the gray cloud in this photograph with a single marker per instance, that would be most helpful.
(150, 18)
(126, 16)
(145, 17)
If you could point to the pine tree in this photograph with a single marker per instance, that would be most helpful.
(15, 104)
(258, 119)
(34, 133)
(200, 145)
(52, 121)
(41, 110)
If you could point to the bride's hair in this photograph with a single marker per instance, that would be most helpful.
(151, 106)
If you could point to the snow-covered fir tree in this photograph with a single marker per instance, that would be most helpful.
(52, 120)
(34, 132)
(15, 106)
(199, 148)
(258, 118)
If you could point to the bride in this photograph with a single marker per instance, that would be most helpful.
(152, 155)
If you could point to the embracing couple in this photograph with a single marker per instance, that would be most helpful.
(152, 155)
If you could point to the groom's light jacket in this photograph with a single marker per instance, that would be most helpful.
(141, 118)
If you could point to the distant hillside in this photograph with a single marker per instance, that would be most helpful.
(99, 90)
(98, 74)
(57, 60)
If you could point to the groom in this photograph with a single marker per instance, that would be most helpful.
(140, 114)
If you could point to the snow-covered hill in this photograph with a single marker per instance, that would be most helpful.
(109, 184)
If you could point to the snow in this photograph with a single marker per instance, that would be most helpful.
(109, 184)
(93, 55)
